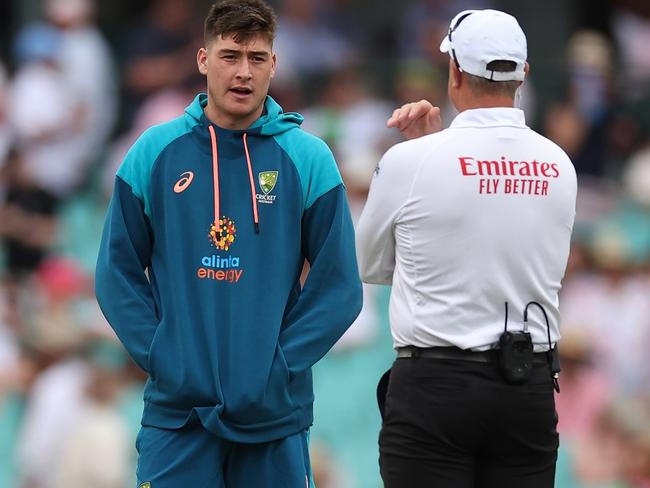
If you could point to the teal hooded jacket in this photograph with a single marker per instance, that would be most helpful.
(199, 271)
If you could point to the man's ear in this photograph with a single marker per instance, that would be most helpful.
(273, 65)
(526, 71)
(202, 61)
(455, 75)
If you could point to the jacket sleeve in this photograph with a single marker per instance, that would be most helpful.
(123, 291)
(331, 297)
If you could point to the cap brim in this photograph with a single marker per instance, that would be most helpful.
(445, 45)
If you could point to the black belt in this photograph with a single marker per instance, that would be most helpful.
(489, 356)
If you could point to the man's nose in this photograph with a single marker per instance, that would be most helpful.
(243, 70)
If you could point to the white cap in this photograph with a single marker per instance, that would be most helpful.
(478, 37)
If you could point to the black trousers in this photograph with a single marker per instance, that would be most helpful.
(458, 424)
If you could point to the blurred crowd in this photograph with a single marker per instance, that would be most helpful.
(80, 80)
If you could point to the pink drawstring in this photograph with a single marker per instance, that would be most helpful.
(215, 175)
(256, 219)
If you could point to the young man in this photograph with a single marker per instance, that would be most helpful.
(212, 217)
(466, 224)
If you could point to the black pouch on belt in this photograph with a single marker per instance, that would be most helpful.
(515, 356)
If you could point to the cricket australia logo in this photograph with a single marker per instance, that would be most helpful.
(267, 181)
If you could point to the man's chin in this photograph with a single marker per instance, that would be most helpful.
(243, 109)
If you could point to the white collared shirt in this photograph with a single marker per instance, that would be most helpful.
(464, 220)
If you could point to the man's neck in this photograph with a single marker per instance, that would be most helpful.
(485, 101)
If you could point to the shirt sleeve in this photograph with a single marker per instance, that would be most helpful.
(389, 191)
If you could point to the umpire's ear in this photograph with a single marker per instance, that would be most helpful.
(455, 75)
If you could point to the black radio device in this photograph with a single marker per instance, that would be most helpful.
(515, 354)
(516, 351)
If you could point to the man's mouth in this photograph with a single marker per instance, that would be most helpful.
(241, 90)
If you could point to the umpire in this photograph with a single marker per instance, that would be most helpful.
(471, 226)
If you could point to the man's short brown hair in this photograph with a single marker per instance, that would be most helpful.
(242, 19)
(486, 86)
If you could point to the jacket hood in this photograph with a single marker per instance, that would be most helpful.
(273, 120)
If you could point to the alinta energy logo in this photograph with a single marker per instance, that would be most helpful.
(221, 267)
(267, 181)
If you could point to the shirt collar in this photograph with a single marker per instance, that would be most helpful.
(487, 117)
